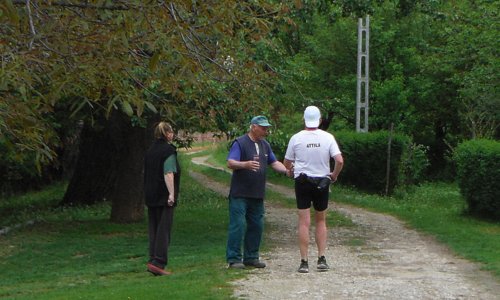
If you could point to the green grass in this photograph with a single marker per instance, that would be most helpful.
(33, 205)
(77, 253)
(438, 209)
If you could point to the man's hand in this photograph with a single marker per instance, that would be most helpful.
(253, 165)
(333, 179)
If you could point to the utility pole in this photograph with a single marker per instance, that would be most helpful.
(362, 75)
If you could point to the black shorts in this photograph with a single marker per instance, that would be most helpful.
(307, 193)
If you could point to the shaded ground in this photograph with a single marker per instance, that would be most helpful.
(379, 258)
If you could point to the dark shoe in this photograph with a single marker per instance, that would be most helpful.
(255, 264)
(157, 271)
(304, 266)
(322, 265)
(236, 265)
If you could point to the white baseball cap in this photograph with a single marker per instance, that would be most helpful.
(312, 116)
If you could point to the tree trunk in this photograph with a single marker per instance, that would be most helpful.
(110, 168)
(127, 196)
(92, 177)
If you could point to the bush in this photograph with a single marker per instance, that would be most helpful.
(413, 165)
(17, 171)
(279, 142)
(365, 159)
(365, 156)
(21, 172)
(478, 174)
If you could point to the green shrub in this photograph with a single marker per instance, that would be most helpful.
(478, 174)
(365, 160)
(279, 142)
(365, 156)
(414, 163)
(18, 171)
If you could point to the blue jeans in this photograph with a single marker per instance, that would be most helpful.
(246, 223)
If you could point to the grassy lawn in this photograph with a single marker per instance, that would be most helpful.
(77, 253)
(30, 206)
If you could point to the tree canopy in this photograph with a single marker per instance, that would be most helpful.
(112, 67)
(187, 60)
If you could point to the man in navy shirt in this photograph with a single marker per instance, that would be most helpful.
(248, 158)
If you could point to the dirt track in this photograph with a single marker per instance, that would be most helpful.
(379, 258)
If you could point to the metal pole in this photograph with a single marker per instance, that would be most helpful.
(362, 77)
(358, 77)
(367, 77)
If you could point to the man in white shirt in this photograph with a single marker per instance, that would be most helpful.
(308, 153)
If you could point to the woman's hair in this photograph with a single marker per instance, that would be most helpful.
(162, 129)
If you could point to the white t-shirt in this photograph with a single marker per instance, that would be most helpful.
(311, 151)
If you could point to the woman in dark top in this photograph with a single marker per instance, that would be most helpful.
(161, 189)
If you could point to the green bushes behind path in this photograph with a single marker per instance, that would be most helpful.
(366, 157)
(478, 174)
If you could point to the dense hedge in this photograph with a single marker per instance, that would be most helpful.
(365, 156)
(478, 172)
(17, 173)
(20, 173)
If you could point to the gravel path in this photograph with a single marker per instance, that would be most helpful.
(379, 258)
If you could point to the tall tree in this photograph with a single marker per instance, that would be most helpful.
(432, 67)
(115, 65)
(472, 47)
